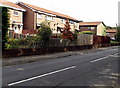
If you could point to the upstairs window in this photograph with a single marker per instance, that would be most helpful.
(39, 16)
(49, 18)
(89, 27)
(72, 22)
(63, 21)
(92, 28)
(16, 13)
(75, 23)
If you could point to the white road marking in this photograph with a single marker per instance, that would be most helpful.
(116, 54)
(99, 59)
(32, 78)
(103, 58)
(112, 55)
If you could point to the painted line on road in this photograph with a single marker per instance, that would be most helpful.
(103, 58)
(32, 78)
(99, 59)
(115, 55)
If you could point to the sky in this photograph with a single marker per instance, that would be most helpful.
(85, 10)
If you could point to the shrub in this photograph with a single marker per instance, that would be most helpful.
(12, 44)
(44, 32)
(114, 42)
(87, 32)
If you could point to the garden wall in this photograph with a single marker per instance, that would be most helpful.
(40, 51)
(83, 41)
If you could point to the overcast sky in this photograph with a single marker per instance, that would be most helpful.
(86, 10)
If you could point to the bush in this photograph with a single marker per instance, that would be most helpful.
(86, 32)
(28, 42)
(12, 44)
(114, 42)
(44, 32)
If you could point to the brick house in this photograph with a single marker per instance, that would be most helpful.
(16, 16)
(98, 28)
(35, 15)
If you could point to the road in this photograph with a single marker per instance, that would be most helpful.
(93, 69)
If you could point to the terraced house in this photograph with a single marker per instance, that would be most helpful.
(35, 15)
(16, 16)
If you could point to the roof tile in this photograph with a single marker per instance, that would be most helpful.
(111, 30)
(49, 11)
(90, 23)
(7, 3)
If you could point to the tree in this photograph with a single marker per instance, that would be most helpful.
(5, 26)
(109, 27)
(67, 34)
(44, 32)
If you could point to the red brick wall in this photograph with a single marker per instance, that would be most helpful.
(28, 18)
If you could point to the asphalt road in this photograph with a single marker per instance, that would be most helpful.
(93, 69)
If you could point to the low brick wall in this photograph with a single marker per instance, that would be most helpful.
(47, 50)
(41, 51)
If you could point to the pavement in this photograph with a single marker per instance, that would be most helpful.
(97, 68)
(34, 58)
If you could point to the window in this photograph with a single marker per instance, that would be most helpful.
(15, 28)
(63, 20)
(92, 28)
(75, 23)
(89, 27)
(16, 13)
(72, 22)
(49, 18)
(39, 16)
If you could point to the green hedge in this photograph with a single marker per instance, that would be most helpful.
(86, 32)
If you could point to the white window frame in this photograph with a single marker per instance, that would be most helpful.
(14, 12)
(71, 22)
(15, 28)
(92, 28)
(89, 27)
(39, 16)
(49, 18)
(63, 21)
(75, 23)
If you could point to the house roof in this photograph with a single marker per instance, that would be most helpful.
(10, 5)
(48, 11)
(111, 30)
(90, 23)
